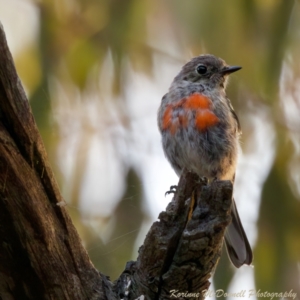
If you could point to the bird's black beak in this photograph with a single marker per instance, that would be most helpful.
(229, 70)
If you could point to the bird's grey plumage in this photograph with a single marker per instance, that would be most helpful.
(200, 132)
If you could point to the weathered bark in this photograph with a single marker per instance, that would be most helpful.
(181, 252)
(41, 255)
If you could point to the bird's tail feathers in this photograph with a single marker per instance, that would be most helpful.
(237, 244)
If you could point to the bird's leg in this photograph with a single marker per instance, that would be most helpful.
(192, 204)
(172, 190)
(204, 181)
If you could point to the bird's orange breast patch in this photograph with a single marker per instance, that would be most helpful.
(197, 101)
(205, 119)
(167, 118)
(178, 115)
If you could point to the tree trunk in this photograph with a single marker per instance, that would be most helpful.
(41, 254)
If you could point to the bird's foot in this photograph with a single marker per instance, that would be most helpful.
(215, 179)
(204, 180)
(172, 190)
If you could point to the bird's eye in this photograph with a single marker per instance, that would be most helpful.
(201, 69)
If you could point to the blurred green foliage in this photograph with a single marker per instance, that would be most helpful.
(74, 39)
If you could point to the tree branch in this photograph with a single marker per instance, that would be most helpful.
(179, 254)
(41, 253)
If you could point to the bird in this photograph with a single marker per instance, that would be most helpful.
(200, 132)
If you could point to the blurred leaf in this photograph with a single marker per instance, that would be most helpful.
(28, 64)
(220, 280)
(280, 214)
(82, 58)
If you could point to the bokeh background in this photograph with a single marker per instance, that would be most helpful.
(95, 72)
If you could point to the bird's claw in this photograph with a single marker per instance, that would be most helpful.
(172, 190)
(204, 180)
